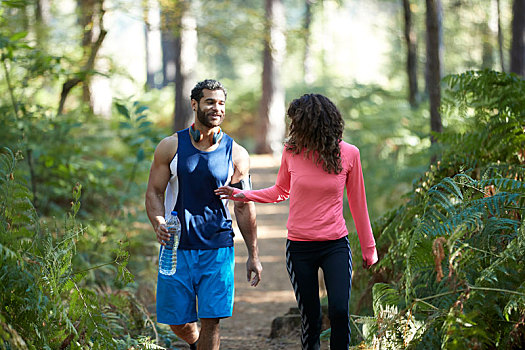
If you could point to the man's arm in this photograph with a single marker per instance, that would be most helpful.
(245, 215)
(158, 180)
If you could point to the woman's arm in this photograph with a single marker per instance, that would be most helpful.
(277, 193)
(272, 194)
(355, 189)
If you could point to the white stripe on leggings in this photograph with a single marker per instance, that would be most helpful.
(349, 289)
(304, 321)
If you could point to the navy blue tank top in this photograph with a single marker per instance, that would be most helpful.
(205, 218)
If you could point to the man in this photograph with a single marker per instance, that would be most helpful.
(187, 167)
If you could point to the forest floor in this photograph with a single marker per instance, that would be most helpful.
(256, 308)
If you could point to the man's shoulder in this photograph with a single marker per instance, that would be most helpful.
(240, 157)
(239, 150)
(167, 147)
(169, 141)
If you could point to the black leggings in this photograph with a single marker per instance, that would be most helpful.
(303, 260)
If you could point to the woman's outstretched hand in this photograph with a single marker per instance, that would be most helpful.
(227, 192)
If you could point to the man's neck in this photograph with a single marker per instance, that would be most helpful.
(206, 143)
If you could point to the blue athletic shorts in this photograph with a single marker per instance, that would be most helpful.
(206, 275)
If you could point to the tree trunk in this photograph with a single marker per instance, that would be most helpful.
(517, 53)
(487, 41)
(42, 20)
(86, 17)
(309, 76)
(411, 65)
(168, 37)
(185, 61)
(90, 50)
(168, 44)
(152, 42)
(43, 11)
(150, 74)
(500, 37)
(433, 24)
(272, 110)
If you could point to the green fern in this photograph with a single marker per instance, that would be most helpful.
(45, 302)
(456, 246)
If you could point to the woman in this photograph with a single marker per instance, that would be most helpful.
(316, 166)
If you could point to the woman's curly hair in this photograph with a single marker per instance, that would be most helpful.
(317, 128)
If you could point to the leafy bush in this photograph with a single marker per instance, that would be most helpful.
(45, 302)
(452, 256)
(65, 283)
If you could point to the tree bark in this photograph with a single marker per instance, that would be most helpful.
(168, 43)
(517, 53)
(309, 76)
(43, 11)
(150, 75)
(42, 20)
(272, 110)
(433, 24)
(500, 37)
(411, 65)
(89, 10)
(152, 42)
(168, 37)
(487, 42)
(88, 67)
(185, 61)
(86, 19)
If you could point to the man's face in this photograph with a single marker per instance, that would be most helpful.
(211, 109)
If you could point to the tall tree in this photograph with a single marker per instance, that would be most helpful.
(185, 62)
(43, 11)
(500, 37)
(42, 20)
(272, 109)
(308, 76)
(151, 13)
(488, 34)
(517, 53)
(87, 12)
(91, 19)
(433, 25)
(411, 64)
(168, 40)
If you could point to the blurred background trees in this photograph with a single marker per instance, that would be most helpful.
(517, 60)
(89, 87)
(271, 123)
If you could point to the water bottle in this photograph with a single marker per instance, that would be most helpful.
(168, 252)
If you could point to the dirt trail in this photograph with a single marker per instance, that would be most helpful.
(255, 308)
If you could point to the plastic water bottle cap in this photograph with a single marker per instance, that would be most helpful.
(174, 213)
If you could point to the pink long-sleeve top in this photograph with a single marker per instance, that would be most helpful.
(316, 199)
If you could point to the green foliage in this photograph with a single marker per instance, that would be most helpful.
(453, 253)
(66, 283)
(45, 303)
(72, 147)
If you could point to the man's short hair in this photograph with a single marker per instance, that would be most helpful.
(209, 84)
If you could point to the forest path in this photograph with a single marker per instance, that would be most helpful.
(255, 308)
